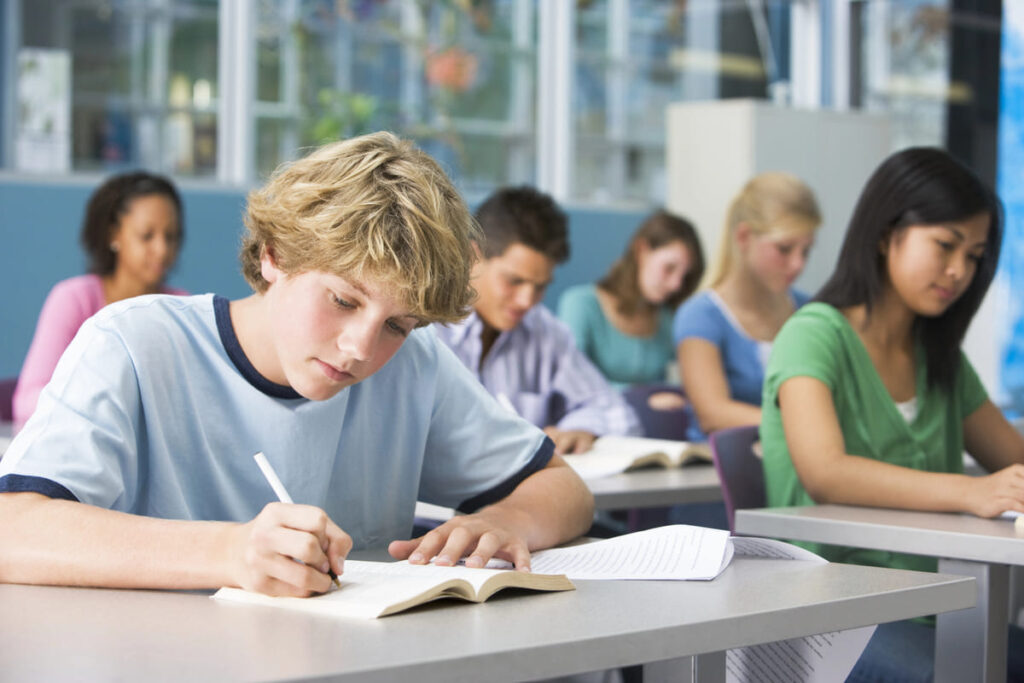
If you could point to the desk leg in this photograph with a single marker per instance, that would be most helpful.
(707, 668)
(973, 640)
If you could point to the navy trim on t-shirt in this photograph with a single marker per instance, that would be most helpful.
(538, 462)
(23, 483)
(234, 350)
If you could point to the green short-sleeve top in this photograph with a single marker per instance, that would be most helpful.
(818, 341)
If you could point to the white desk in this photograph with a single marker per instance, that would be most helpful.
(644, 488)
(967, 642)
(49, 633)
(656, 488)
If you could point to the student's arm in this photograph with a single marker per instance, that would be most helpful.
(549, 507)
(830, 475)
(703, 376)
(61, 542)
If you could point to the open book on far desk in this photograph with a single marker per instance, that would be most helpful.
(615, 454)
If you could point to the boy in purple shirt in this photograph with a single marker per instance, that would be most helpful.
(518, 349)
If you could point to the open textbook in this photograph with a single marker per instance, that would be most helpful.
(376, 589)
(615, 454)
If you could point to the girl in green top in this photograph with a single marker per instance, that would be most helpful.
(868, 399)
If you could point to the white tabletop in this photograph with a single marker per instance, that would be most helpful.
(970, 644)
(657, 487)
(49, 633)
(938, 534)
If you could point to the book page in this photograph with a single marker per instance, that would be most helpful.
(637, 446)
(815, 659)
(677, 551)
(591, 465)
(368, 588)
(748, 546)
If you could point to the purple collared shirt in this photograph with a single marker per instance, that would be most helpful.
(538, 368)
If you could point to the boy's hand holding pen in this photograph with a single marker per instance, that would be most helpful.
(299, 519)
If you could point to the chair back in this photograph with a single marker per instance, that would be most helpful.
(739, 469)
(658, 424)
(7, 398)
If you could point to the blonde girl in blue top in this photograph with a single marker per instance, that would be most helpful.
(724, 333)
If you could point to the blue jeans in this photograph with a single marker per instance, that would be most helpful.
(904, 652)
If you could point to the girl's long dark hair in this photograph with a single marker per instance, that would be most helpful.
(659, 229)
(917, 186)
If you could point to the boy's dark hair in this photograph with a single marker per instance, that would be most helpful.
(523, 215)
(917, 186)
(109, 203)
(659, 229)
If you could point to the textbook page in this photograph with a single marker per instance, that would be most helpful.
(822, 658)
(677, 551)
(369, 589)
(769, 548)
(815, 659)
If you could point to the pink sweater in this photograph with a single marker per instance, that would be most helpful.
(69, 304)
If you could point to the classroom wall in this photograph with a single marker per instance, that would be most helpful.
(39, 224)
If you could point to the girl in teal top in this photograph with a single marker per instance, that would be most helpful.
(624, 322)
(868, 399)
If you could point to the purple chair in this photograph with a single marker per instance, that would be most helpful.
(7, 398)
(739, 469)
(658, 424)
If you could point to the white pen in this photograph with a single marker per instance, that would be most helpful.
(282, 495)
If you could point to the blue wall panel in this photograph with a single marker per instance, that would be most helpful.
(39, 224)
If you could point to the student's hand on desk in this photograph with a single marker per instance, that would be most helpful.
(477, 536)
(994, 494)
(568, 441)
(287, 550)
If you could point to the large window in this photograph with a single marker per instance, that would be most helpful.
(634, 57)
(567, 94)
(455, 76)
(139, 80)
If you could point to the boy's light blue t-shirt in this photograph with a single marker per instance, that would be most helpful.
(705, 316)
(155, 410)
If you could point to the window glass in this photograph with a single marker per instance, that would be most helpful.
(634, 58)
(457, 77)
(141, 87)
(903, 57)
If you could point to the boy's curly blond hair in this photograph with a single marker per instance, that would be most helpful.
(372, 208)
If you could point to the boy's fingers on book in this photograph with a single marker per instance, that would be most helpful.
(422, 549)
(487, 546)
(458, 542)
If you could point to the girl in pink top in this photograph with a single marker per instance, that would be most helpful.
(132, 232)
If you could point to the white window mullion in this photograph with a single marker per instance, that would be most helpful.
(413, 30)
(235, 75)
(805, 53)
(839, 39)
(617, 88)
(11, 27)
(522, 97)
(556, 23)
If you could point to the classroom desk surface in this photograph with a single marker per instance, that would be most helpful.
(656, 487)
(52, 633)
(967, 642)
